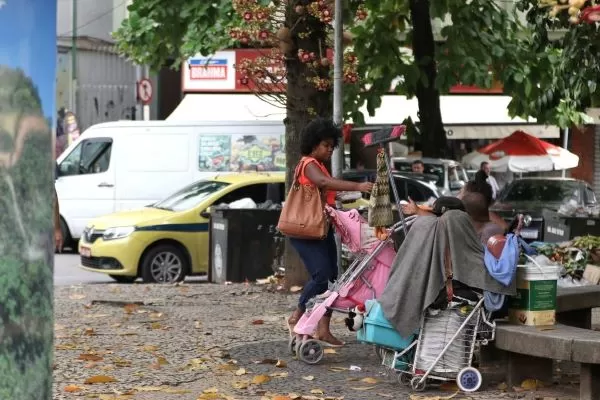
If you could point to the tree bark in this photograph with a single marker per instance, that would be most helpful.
(304, 102)
(433, 135)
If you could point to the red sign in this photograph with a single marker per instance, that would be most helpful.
(145, 91)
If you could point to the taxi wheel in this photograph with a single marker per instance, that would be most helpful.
(164, 263)
(124, 279)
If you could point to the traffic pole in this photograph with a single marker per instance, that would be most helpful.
(337, 162)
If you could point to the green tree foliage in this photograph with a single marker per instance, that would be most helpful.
(26, 326)
(479, 45)
(557, 79)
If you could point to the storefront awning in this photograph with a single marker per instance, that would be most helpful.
(464, 116)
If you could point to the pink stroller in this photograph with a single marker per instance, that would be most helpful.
(364, 279)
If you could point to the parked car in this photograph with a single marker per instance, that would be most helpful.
(419, 187)
(530, 196)
(471, 174)
(451, 175)
(168, 240)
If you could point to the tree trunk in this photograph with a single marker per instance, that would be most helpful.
(304, 102)
(433, 135)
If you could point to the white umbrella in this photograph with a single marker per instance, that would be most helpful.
(521, 152)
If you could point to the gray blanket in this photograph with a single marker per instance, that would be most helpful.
(417, 275)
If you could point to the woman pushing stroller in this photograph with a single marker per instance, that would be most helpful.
(319, 255)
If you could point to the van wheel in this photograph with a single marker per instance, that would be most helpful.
(124, 279)
(67, 239)
(164, 263)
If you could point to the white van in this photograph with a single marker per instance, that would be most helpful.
(123, 165)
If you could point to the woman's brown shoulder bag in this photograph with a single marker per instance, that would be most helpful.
(303, 214)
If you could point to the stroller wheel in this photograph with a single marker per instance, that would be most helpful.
(404, 379)
(418, 384)
(311, 352)
(292, 345)
(469, 379)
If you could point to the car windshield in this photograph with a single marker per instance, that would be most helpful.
(454, 172)
(543, 191)
(190, 196)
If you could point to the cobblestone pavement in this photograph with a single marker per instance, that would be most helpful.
(203, 341)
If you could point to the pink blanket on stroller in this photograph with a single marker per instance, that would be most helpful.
(356, 234)
(368, 284)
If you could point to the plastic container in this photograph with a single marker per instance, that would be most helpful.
(535, 302)
(378, 331)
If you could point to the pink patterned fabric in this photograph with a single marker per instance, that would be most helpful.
(348, 225)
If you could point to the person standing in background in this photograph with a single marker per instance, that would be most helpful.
(485, 167)
(418, 167)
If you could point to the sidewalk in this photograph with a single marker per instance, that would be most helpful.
(203, 341)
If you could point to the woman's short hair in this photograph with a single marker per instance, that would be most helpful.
(316, 131)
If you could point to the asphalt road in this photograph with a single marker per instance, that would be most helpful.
(67, 272)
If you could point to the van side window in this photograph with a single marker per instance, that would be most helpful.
(257, 192)
(89, 157)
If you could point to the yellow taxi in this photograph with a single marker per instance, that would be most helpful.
(167, 241)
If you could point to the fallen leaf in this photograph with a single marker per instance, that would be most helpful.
(89, 331)
(281, 364)
(115, 397)
(308, 378)
(329, 351)
(211, 390)
(338, 369)
(260, 379)
(281, 398)
(99, 379)
(267, 361)
(89, 357)
(161, 361)
(240, 372)
(279, 374)
(449, 387)
(77, 296)
(370, 381)
(150, 348)
(241, 384)
(363, 388)
(155, 325)
(258, 322)
(120, 362)
(156, 315)
(228, 367)
(130, 308)
(73, 388)
(417, 397)
(294, 396)
(197, 324)
(502, 386)
(295, 289)
(317, 391)
(531, 384)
